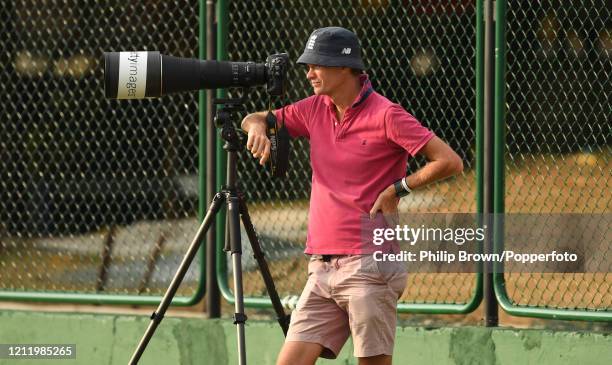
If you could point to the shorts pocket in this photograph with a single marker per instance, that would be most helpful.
(313, 265)
(394, 274)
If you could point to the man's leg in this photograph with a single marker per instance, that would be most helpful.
(375, 360)
(370, 295)
(318, 326)
(299, 353)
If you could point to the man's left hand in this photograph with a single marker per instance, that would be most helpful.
(386, 203)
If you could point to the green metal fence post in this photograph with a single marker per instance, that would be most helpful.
(490, 302)
(222, 7)
(208, 183)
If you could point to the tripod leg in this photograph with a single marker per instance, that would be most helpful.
(158, 315)
(283, 319)
(233, 210)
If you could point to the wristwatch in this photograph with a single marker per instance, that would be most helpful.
(401, 188)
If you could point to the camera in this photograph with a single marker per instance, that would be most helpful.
(149, 74)
(276, 68)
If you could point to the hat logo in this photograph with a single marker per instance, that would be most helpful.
(346, 51)
(311, 42)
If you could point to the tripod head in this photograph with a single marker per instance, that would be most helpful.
(279, 137)
(223, 120)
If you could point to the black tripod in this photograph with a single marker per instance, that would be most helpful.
(236, 211)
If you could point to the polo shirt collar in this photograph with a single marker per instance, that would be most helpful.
(366, 90)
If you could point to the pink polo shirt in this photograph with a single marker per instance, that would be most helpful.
(352, 161)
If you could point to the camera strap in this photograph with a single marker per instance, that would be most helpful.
(279, 139)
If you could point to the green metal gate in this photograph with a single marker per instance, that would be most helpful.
(419, 54)
(98, 198)
(552, 137)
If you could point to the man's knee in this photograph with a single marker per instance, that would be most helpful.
(299, 353)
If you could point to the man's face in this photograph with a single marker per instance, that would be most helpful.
(325, 80)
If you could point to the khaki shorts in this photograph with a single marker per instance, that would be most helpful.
(349, 295)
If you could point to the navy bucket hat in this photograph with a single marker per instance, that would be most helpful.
(332, 46)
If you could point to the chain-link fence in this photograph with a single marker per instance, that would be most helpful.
(559, 65)
(96, 196)
(99, 196)
(420, 54)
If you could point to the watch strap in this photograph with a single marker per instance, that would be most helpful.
(401, 188)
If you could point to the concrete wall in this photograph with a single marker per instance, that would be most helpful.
(111, 339)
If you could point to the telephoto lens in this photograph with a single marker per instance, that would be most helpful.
(149, 74)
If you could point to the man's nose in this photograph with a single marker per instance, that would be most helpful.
(310, 74)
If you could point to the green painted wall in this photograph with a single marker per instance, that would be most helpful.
(111, 339)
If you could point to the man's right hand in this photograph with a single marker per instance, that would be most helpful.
(257, 141)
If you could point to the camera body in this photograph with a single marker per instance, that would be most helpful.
(276, 68)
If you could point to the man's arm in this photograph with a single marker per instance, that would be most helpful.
(257, 142)
(442, 162)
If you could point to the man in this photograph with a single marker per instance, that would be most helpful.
(359, 146)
